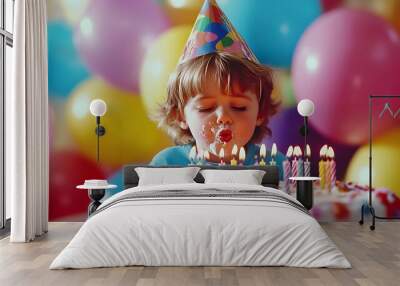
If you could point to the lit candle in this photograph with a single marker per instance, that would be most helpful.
(242, 156)
(274, 150)
(193, 155)
(263, 153)
(300, 168)
(331, 179)
(287, 169)
(307, 163)
(222, 156)
(295, 166)
(234, 153)
(322, 165)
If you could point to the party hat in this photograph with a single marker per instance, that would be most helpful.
(213, 32)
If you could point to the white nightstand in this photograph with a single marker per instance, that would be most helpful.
(96, 191)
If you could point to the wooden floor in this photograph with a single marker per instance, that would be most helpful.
(375, 257)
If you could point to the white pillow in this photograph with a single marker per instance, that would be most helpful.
(163, 176)
(248, 177)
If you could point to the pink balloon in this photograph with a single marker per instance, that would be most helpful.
(342, 58)
(113, 36)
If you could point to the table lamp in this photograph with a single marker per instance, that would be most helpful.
(98, 108)
(305, 108)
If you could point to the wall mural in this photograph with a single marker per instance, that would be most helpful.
(126, 52)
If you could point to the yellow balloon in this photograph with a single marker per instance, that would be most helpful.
(283, 88)
(385, 163)
(182, 12)
(73, 10)
(159, 62)
(130, 136)
(61, 137)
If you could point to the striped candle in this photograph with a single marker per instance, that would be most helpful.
(307, 163)
(300, 167)
(332, 168)
(287, 169)
(322, 166)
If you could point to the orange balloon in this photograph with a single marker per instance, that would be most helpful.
(182, 12)
(388, 9)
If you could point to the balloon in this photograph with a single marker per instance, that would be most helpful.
(328, 5)
(160, 61)
(73, 10)
(112, 38)
(337, 68)
(385, 159)
(130, 136)
(182, 12)
(272, 28)
(65, 68)
(61, 136)
(51, 116)
(285, 128)
(283, 88)
(388, 9)
(67, 170)
(115, 179)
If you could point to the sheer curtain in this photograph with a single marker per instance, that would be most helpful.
(27, 124)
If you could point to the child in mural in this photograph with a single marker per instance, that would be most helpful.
(219, 96)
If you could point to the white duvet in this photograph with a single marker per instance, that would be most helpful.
(200, 231)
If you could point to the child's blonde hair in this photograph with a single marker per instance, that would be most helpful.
(190, 78)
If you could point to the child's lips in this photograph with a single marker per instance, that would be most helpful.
(225, 135)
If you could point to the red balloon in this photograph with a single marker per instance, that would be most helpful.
(328, 5)
(69, 169)
(342, 58)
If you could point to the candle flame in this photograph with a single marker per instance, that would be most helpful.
(274, 150)
(308, 151)
(289, 152)
(242, 154)
(331, 153)
(263, 151)
(299, 152)
(193, 153)
(221, 153)
(234, 150)
(323, 151)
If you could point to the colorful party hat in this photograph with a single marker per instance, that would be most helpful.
(213, 32)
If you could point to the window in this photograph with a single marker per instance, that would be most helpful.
(6, 44)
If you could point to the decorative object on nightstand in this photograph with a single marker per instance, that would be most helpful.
(305, 108)
(304, 190)
(96, 190)
(98, 108)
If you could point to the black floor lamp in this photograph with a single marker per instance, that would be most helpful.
(370, 206)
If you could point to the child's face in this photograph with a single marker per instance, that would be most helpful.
(217, 120)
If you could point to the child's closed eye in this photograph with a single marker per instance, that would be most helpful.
(205, 108)
(239, 108)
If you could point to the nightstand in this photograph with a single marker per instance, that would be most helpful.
(96, 191)
(304, 190)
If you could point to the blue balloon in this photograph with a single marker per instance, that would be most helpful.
(272, 28)
(66, 70)
(115, 179)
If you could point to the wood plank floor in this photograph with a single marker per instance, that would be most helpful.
(375, 257)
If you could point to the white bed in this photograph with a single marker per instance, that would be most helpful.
(225, 225)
